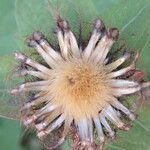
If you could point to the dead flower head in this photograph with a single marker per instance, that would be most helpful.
(77, 87)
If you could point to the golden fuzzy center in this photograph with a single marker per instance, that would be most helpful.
(81, 81)
(80, 85)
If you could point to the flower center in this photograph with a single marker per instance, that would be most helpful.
(80, 86)
(82, 81)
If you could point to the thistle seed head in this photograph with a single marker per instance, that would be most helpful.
(77, 87)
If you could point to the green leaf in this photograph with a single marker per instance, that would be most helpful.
(9, 135)
(9, 130)
(8, 27)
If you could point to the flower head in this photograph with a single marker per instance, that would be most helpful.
(77, 87)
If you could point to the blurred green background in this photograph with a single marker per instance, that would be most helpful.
(21, 17)
(9, 130)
